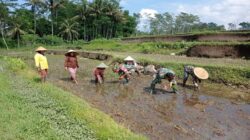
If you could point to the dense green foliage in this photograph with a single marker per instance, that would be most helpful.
(86, 20)
(69, 19)
(31, 110)
(183, 23)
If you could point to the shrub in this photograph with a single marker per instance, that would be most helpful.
(10, 42)
(80, 42)
(15, 64)
(50, 40)
(29, 39)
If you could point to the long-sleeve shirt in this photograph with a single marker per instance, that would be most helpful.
(131, 65)
(165, 73)
(189, 69)
(41, 61)
(99, 72)
(71, 62)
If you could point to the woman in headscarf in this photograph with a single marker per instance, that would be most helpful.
(71, 64)
(41, 63)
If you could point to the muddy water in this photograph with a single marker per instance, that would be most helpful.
(189, 115)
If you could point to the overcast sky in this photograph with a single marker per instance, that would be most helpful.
(218, 11)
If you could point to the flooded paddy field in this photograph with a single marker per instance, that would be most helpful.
(203, 114)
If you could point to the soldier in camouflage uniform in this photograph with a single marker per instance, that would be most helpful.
(164, 73)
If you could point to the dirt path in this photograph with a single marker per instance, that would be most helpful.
(190, 115)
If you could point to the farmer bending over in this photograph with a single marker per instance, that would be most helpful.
(167, 74)
(122, 72)
(99, 73)
(131, 65)
(41, 63)
(197, 74)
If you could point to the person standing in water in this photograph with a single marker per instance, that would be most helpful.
(122, 72)
(41, 63)
(71, 64)
(197, 74)
(164, 73)
(99, 73)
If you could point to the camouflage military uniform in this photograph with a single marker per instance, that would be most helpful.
(164, 73)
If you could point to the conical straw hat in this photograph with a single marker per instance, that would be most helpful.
(102, 65)
(71, 51)
(129, 58)
(41, 49)
(201, 73)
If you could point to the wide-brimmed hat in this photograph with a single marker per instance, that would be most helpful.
(201, 73)
(71, 51)
(129, 58)
(102, 65)
(41, 49)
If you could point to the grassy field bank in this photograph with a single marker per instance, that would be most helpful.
(118, 45)
(31, 110)
(150, 47)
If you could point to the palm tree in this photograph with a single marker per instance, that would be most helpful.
(96, 9)
(16, 33)
(68, 28)
(83, 9)
(34, 8)
(4, 15)
(116, 16)
(53, 5)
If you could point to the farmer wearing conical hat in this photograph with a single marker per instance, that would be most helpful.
(131, 65)
(164, 73)
(99, 73)
(71, 64)
(197, 74)
(41, 63)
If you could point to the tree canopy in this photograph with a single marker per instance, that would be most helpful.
(87, 20)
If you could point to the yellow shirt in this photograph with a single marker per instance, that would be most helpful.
(41, 61)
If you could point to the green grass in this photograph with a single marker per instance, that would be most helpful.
(194, 33)
(145, 47)
(31, 110)
(149, 47)
(213, 62)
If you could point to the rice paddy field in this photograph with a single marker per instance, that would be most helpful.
(60, 109)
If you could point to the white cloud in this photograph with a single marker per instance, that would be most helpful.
(124, 2)
(223, 12)
(146, 14)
